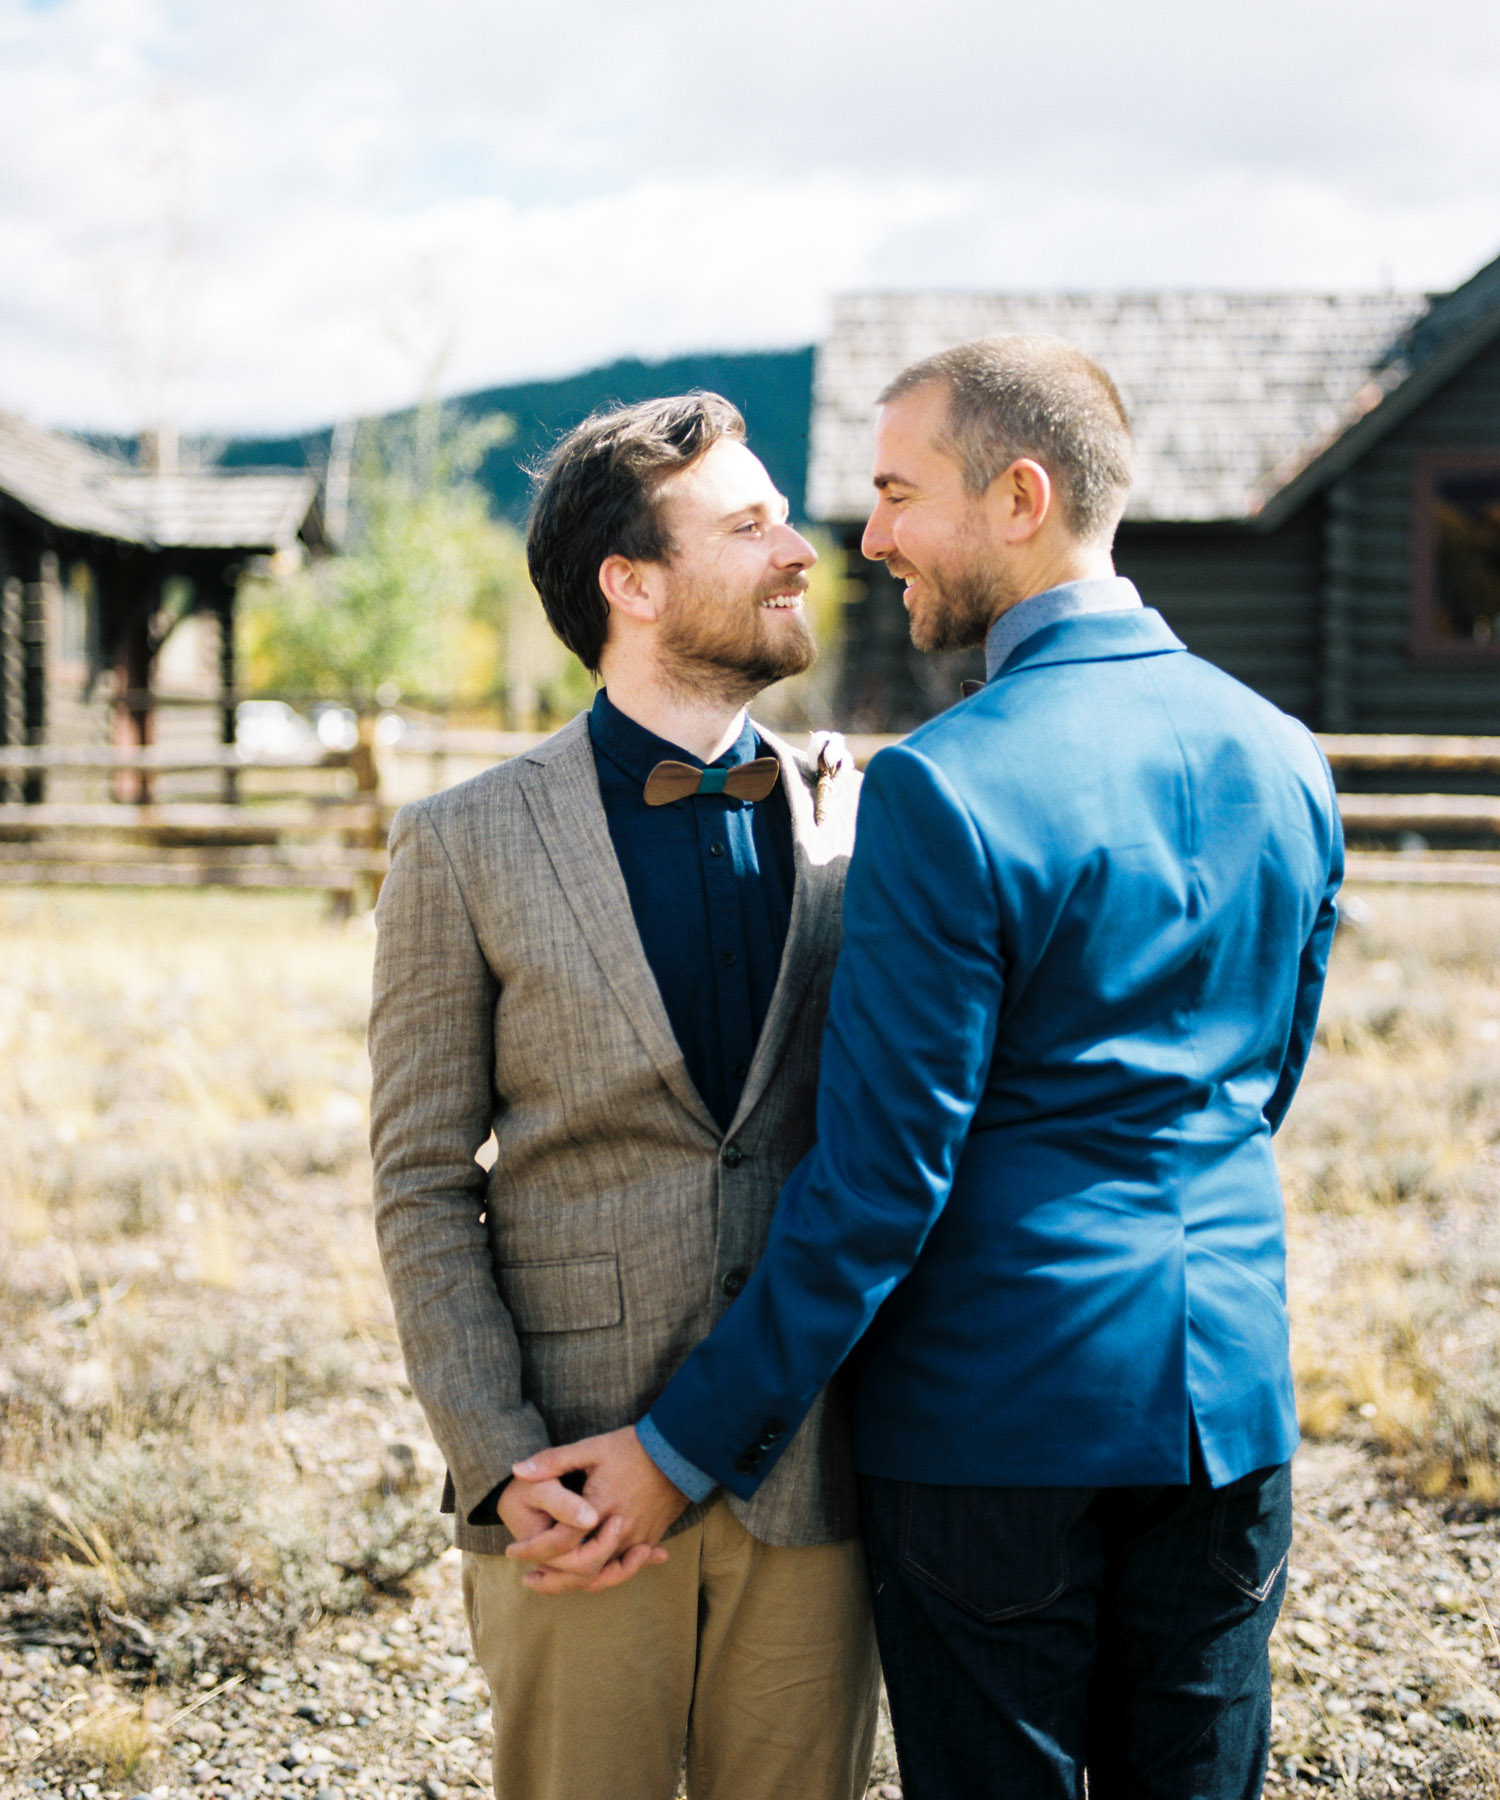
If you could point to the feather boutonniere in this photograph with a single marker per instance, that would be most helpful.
(830, 756)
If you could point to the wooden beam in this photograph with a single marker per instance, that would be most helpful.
(1427, 869)
(34, 664)
(66, 848)
(224, 611)
(12, 709)
(1375, 753)
(1418, 812)
(1336, 637)
(188, 821)
(339, 877)
(157, 759)
(1352, 751)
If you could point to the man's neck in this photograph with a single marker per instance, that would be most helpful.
(698, 723)
(1071, 562)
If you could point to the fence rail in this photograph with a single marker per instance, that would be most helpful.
(1351, 753)
(42, 759)
(329, 836)
(332, 836)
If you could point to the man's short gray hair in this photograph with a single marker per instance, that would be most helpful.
(1037, 397)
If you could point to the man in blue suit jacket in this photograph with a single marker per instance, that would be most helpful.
(1086, 927)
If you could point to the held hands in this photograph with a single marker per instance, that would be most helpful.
(560, 1531)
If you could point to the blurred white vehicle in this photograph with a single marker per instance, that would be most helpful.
(337, 726)
(270, 730)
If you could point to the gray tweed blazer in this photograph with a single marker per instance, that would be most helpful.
(555, 1296)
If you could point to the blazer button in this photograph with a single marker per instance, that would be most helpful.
(771, 1431)
(732, 1156)
(734, 1282)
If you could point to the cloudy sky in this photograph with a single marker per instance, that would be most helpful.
(261, 214)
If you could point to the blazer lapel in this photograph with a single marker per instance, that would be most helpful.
(562, 794)
(812, 931)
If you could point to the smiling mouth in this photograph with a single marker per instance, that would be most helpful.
(782, 602)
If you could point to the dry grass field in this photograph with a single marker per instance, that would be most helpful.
(220, 1571)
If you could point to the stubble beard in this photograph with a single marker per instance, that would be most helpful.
(713, 650)
(961, 614)
(963, 604)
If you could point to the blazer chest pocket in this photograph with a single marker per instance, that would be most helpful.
(580, 1295)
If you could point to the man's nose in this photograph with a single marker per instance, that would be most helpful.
(876, 544)
(794, 551)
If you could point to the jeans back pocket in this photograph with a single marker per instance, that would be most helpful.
(1250, 1530)
(996, 1552)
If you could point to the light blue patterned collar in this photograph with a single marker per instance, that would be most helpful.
(1099, 594)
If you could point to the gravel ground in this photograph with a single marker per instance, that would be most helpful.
(1386, 1657)
(190, 1300)
(390, 1706)
(1386, 1662)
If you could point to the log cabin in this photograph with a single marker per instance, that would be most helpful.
(109, 568)
(1317, 508)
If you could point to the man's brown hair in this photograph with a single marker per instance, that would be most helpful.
(1037, 397)
(596, 497)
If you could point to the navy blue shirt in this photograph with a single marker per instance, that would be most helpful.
(710, 886)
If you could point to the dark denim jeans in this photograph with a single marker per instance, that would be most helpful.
(1028, 1634)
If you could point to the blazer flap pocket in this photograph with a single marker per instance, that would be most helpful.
(581, 1295)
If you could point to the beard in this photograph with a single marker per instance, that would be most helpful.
(729, 651)
(962, 611)
(964, 601)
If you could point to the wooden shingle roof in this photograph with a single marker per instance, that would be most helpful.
(1449, 332)
(74, 487)
(224, 509)
(1222, 389)
(62, 481)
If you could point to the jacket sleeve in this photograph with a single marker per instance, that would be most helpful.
(1312, 969)
(432, 1103)
(906, 1053)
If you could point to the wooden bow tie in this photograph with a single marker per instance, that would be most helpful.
(670, 781)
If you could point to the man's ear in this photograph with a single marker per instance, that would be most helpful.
(1026, 498)
(629, 588)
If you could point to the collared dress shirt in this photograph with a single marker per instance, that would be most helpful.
(710, 886)
(1098, 594)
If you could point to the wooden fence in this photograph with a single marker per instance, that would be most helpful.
(307, 822)
(320, 820)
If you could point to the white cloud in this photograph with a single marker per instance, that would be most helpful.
(263, 216)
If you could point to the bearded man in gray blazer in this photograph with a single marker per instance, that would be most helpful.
(613, 954)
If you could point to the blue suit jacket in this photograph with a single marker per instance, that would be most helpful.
(1086, 927)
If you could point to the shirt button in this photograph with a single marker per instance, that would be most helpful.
(715, 849)
(740, 1071)
(729, 959)
(732, 1156)
(734, 1282)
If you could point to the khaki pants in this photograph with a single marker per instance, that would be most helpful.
(758, 1663)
